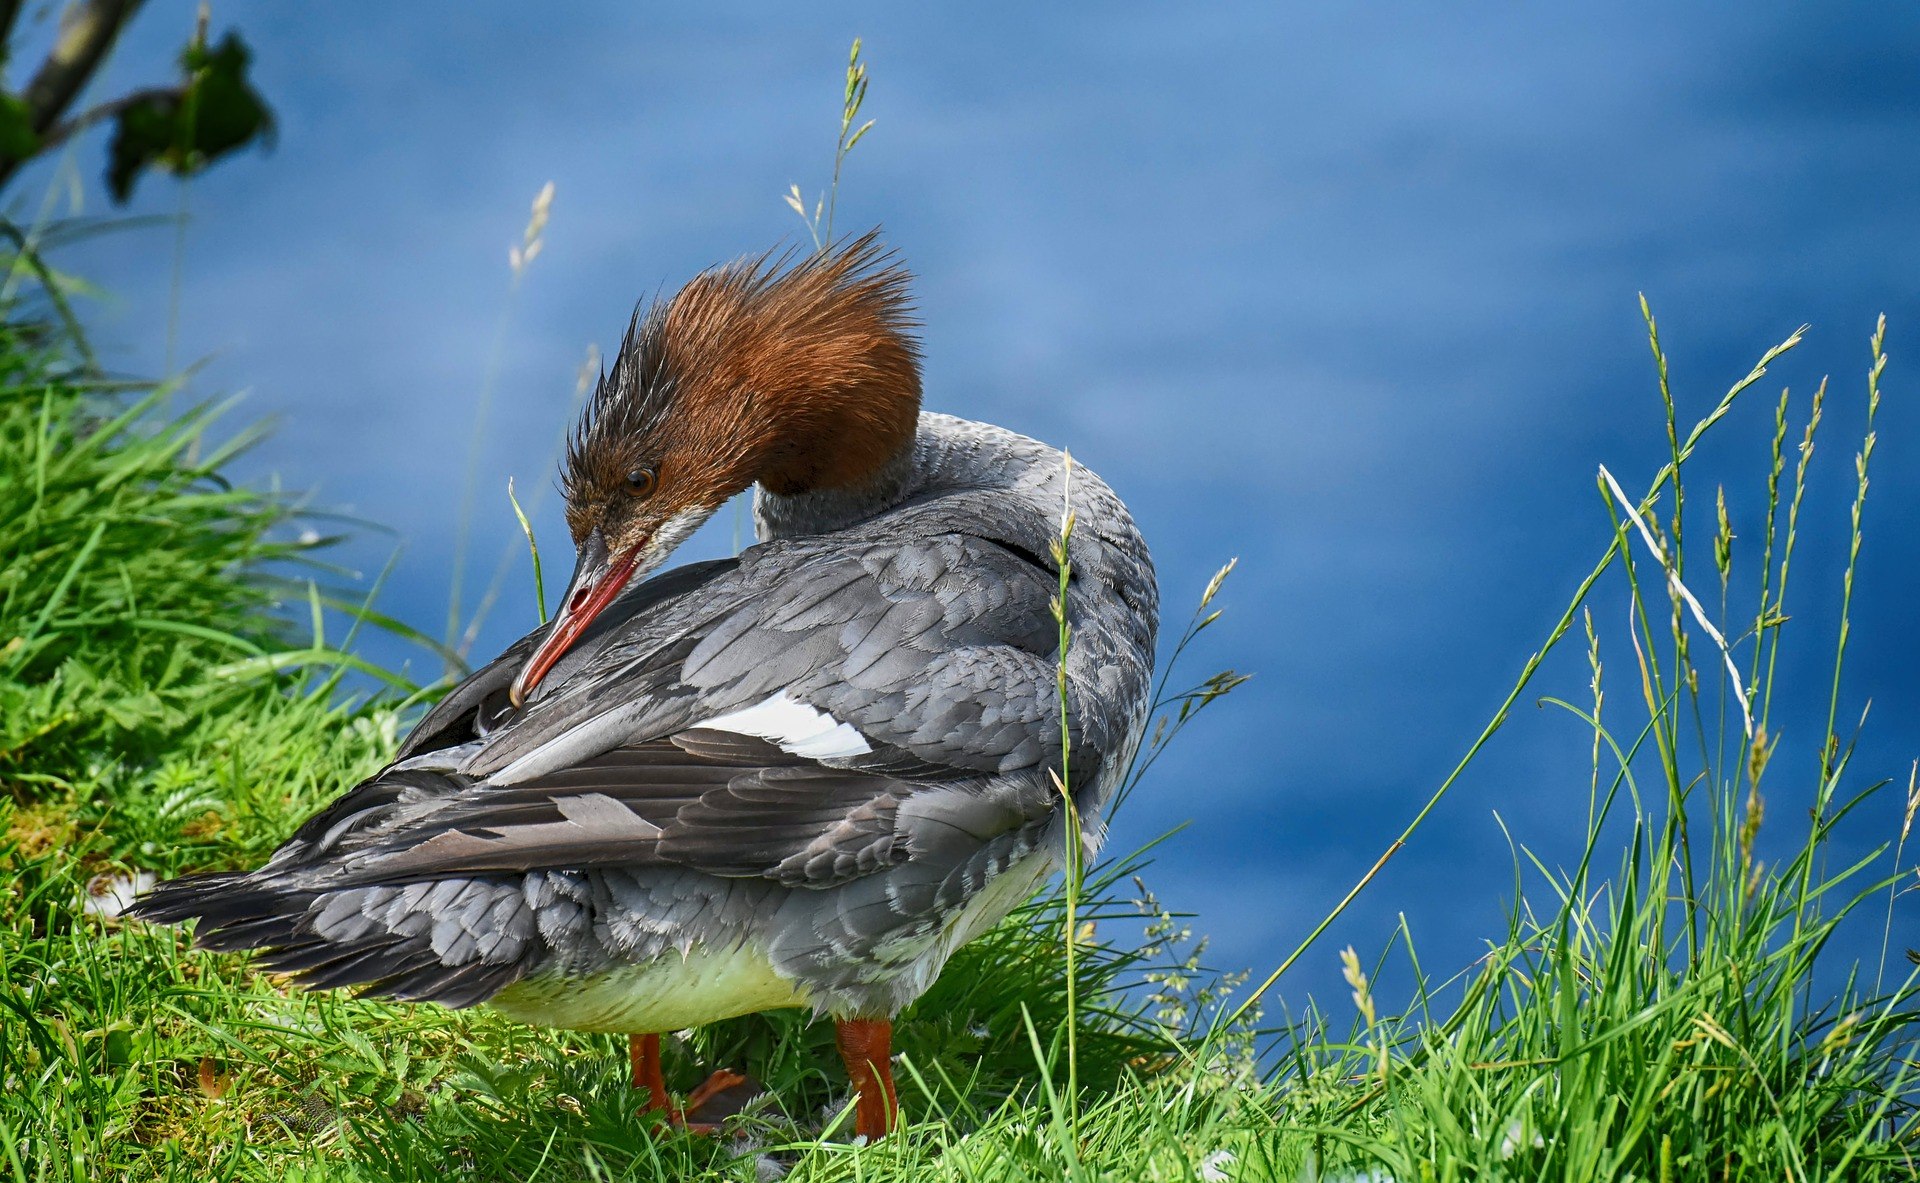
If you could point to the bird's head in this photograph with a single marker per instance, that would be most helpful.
(801, 377)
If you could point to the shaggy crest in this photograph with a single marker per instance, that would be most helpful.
(799, 375)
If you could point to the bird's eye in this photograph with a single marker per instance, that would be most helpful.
(640, 482)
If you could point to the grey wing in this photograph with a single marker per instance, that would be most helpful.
(942, 650)
(776, 725)
(712, 801)
(465, 711)
(479, 703)
(467, 714)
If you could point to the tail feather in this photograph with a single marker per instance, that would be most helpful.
(184, 898)
(218, 934)
(449, 985)
(373, 937)
(368, 967)
(311, 959)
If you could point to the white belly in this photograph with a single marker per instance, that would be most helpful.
(669, 993)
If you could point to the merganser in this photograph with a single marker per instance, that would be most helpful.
(799, 777)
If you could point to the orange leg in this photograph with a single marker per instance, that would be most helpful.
(866, 1045)
(644, 1053)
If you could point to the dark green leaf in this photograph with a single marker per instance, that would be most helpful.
(213, 112)
(17, 138)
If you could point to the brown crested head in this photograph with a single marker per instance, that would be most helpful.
(801, 376)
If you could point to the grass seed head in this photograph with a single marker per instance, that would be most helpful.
(1357, 978)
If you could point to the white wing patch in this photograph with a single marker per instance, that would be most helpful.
(795, 727)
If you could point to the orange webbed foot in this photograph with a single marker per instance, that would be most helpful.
(719, 1097)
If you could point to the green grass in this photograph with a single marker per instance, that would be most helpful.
(1668, 1008)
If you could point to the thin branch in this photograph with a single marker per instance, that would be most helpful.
(9, 16)
(87, 32)
(66, 129)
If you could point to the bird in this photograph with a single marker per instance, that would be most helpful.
(801, 776)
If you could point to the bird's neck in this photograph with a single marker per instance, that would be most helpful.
(949, 455)
(820, 511)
